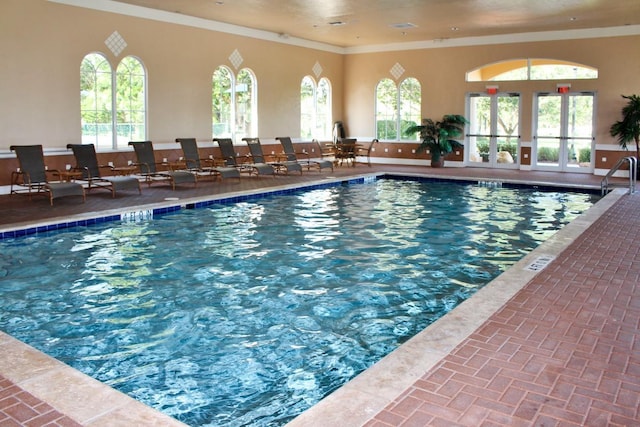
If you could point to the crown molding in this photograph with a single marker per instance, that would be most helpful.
(206, 24)
(190, 21)
(590, 33)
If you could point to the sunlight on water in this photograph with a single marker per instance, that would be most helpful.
(250, 313)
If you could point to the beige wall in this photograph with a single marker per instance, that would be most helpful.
(43, 43)
(442, 74)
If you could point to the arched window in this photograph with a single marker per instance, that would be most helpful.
(96, 101)
(410, 97)
(131, 102)
(234, 104)
(102, 93)
(307, 107)
(315, 108)
(397, 108)
(532, 69)
(221, 102)
(323, 110)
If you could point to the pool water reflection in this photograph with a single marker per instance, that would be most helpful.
(249, 313)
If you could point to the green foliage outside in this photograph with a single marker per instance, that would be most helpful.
(386, 129)
(96, 96)
(548, 154)
(584, 155)
(397, 107)
(483, 148)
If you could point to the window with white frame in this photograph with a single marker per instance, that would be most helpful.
(130, 101)
(112, 105)
(531, 69)
(234, 104)
(315, 109)
(397, 108)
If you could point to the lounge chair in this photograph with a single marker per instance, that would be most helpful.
(87, 164)
(229, 155)
(194, 163)
(365, 151)
(31, 178)
(291, 154)
(148, 167)
(258, 157)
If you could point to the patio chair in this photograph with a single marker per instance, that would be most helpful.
(365, 151)
(346, 151)
(291, 154)
(327, 150)
(255, 147)
(194, 163)
(148, 167)
(87, 165)
(31, 178)
(228, 152)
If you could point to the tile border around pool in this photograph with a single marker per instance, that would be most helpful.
(93, 403)
(170, 206)
(202, 202)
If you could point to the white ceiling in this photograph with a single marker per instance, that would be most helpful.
(375, 22)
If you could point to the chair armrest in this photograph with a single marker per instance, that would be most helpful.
(144, 167)
(303, 153)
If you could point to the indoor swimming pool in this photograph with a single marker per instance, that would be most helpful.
(249, 313)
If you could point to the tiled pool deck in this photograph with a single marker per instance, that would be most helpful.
(556, 347)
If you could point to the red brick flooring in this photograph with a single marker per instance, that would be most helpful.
(565, 351)
(19, 408)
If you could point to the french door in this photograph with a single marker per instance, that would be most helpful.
(494, 130)
(563, 132)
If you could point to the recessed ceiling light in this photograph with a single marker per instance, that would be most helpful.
(403, 25)
(455, 28)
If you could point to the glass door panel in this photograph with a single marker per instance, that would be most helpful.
(508, 129)
(478, 150)
(579, 132)
(479, 137)
(564, 132)
(548, 135)
(494, 130)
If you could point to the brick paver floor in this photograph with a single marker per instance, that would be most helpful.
(19, 408)
(565, 351)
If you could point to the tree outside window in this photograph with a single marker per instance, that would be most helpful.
(102, 93)
(397, 108)
(233, 104)
(315, 109)
(130, 101)
(96, 105)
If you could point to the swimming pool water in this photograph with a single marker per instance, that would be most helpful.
(250, 313)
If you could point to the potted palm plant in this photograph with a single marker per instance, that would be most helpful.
(627, 130)
(438, 137)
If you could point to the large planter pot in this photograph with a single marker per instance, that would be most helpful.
(437, 160)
